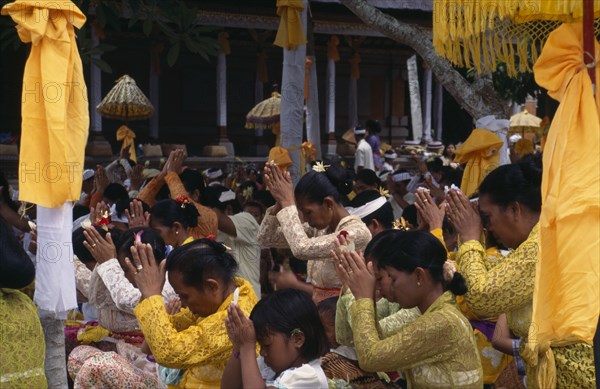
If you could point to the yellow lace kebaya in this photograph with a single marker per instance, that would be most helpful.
(390, 318)
(186, 341)
(22, 346)
(435, 351)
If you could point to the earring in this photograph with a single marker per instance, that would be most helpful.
(418, 284)
(176, 232)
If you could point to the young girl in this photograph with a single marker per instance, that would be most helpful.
(292, 339)
(174, 220)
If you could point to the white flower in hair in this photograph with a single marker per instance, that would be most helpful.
(87, 223)
(319, 167)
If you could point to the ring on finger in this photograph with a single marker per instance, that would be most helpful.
(139, 268)
(94, 245)
(132, 215)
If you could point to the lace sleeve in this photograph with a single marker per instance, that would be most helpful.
(122, 292)
(502, 288)
(390, 319)
(414, 340)
(183, 349)
(83, 276)
(270, 233)
(343, 329)
(306, 247)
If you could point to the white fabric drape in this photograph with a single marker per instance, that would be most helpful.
(427, 84)
(292, 100)
(500, 128)
(55, 291)
(415, 99)
(313, 127)
(222, 90)
(330, 114)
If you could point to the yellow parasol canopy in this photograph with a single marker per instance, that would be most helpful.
(524, 119)
(481, 33)
(125, 101)
(265, 114)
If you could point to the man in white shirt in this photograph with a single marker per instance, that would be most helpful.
(363, 158)
(237, 230)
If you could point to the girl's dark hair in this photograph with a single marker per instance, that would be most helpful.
(328, 306)
(255, 204)
(202, 259)
(408, 250)
(79, 249)
(192, 179)
(16, 268)
(115, 192)
(149, 236)
(167, 212)
(211, 196)
(287, 310)
(368, 176)
(435, 165)
(520, 182)
(315, 186)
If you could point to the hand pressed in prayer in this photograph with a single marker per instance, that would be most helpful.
(280, 185)
(175, 162)
(101, 180)
(359, 276)
(102, 249)
(173, 306)
(149, 276)
(136, 177)
(464, 216)
(136, 216)
(239, 328)
(429, 212)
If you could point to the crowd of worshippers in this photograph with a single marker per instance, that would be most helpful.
(348, 279)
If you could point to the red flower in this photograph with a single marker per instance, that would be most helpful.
(343, 233)
(103, 222)
(182, 199)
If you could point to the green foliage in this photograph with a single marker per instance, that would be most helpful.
(162, 21)
(515, 89)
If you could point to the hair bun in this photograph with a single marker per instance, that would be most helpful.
(531, 167)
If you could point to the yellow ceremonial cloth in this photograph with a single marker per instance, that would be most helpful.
(127, 135)
(54, 109)
(565, 299)
(481, 154)
(290, 33)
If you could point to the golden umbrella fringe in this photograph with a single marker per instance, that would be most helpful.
(482, 33)
(125, 101)
(265, 114)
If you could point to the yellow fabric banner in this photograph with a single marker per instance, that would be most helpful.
(567, 289)
(481, 154)
(127, 135)
(290, 33)
(54, 108)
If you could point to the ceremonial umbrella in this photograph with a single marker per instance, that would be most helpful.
(265, 115)
(127, 102)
